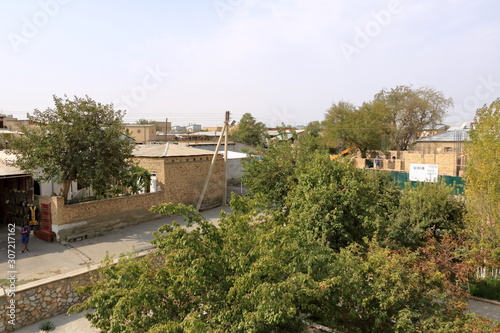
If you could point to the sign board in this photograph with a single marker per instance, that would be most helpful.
(423, 173)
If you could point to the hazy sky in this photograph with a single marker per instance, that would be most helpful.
(283, 61)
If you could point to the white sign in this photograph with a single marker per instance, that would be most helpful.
(423, 173)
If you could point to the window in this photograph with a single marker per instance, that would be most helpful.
(448, 149)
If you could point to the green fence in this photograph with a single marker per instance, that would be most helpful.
(458, 183)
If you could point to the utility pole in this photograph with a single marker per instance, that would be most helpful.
(166, 129)
(226, 134)
(211, 169)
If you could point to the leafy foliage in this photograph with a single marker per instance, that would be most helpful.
(392, 291)
(346, 125)
(270, 172)
(410, 110)
(340, 203)
(78, 140)
(260, 272)
(240, 277)
(483, 182)
(426, 207)
(250, 131)
(487, 288)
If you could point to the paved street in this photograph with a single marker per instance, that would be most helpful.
(48, 259)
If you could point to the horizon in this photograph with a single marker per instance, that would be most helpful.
(283, 61)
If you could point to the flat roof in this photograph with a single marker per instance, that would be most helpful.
(168, 150)
(6, 169)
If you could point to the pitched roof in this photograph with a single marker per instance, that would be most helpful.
(449, 136)
(168, 150)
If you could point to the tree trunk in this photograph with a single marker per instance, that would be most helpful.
(66, 185)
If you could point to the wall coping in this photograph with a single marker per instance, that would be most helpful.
(76, 272)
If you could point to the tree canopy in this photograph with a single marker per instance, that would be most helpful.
(314, 241)
(249, 131)
(346, 126)
(391, 120)
(259, 271)
(410, 110)
(483, 181)
(77, 140)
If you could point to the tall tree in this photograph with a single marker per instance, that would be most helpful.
(338, 202)
(78, 140)
(249, 131)
(410, 110)
(483, 180)
(423, 209)
(346, 125)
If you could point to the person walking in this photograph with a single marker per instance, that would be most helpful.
(25, 234)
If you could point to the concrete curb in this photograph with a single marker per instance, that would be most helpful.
(484, 300)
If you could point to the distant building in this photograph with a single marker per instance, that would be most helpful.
(432, 130)
(142, 134)
(191, 128)
(213, 129)
(179, 129)
(447, 142)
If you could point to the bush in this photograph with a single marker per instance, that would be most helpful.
(488, 288)
(46, 326)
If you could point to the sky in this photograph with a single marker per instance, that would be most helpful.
(283, 61)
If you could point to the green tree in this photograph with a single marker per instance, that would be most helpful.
(249, 131)
(240, 277)
(78, 140)
(340, 203)
(427, 207)
(382, 290)
(483, 181)
(346, 125)
(271, 172)
(410, 110)
(144, 121)
(259, 272)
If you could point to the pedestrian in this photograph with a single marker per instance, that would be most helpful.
(25, 234)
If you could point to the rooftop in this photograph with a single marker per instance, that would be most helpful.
(6, 169)
(449, 136)
(168, 150)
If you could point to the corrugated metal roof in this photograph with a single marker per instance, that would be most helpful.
(170, 151)
(233, 155)
(7, 170)
(450, 136)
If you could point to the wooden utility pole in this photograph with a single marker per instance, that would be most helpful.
(214, 158)
(166, 129)
(226, 134)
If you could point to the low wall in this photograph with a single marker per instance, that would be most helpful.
(448, 164)
(92, 218)
(42, 299)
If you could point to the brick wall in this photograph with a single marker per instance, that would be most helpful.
(449, 164)
(180, 180)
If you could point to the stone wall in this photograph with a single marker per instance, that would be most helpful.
(43, 299)
(29, 303)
